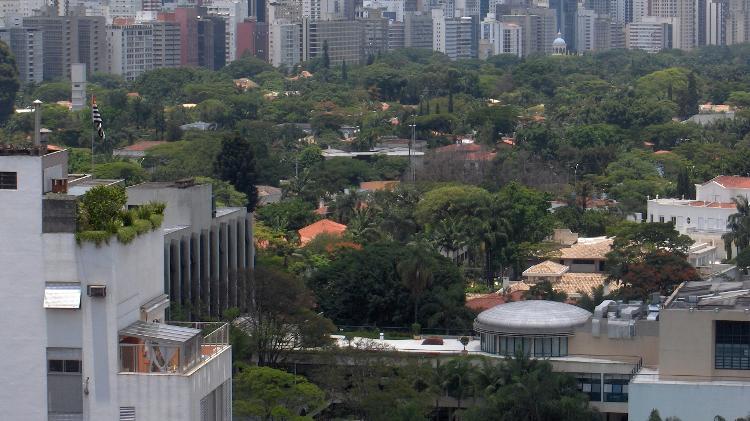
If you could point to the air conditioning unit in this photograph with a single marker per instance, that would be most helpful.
(97, 290)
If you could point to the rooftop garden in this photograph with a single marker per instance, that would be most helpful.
(102, 215)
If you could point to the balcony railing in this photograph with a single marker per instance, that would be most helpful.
(155, 356)
(693, 230)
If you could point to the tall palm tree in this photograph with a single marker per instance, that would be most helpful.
(362, 226)
(739, 227)
(450, 235)
(416, 272)
(344, 205)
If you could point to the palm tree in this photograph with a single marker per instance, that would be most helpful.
(362, 226)
(450, 236)
(416, 271)
(739, 227)
(460, 373)
(344, 205)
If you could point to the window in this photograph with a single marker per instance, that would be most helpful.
(661, 219)
(63, 366)
(732, 345)
(591, 385)
(616, 387)
(8, 180)
(674, 220)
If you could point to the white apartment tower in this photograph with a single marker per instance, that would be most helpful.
(452, 36)
(130, 49)
(499, 38)
(78, 86)
(84, 324)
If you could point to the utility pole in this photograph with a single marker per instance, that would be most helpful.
(412, 141)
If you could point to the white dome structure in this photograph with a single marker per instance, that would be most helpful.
(537, 328)
(559, 46)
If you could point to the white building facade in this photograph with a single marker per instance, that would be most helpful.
(86, 322)
(499, 38)
(131, 50)
(704, 219)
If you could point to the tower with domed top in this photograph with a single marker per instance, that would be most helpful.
(559, 47)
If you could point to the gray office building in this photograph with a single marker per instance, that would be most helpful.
(166, 45)
(417, 30)
(345, 40)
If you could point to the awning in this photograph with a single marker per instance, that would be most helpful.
(160, 332)
(158, 303)
(62, 295)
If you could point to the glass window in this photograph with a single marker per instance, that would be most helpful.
(590, 384)
(616, 388)
(72, 366)
(8, 180)
(732, 345)
(55, 366)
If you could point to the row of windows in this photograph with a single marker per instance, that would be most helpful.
(615, 386)
(63, 366)
(536, 347)
(732, 345)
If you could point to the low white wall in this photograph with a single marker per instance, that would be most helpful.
(697, 401)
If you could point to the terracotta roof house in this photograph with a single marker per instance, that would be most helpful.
(378, 185)
(482, 302)
(587, 255)
(324, 226)
(546, 269)
(268, 194)
(137, 149)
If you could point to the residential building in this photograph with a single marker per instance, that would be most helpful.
(27, 47)
(211, 31)
(705, 218)
(392, 9)
(93, 315)
(375, 28)
(138, 149)
(233, 13)
(78, 97)
(187, 18)
(252, 38)
(650, 34)
(684, 24)
(130, 49)
(345, 40)
(453, 37)
(22, 8)
(499, 38)
(585, 29)
(396, 35)
(539, 28)
(207, 251)
(166, 44)
(285, 43)
(324, 226)
(737, 22)
(712, 28)
(418, 30)
(70, 39)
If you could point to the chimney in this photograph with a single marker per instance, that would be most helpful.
(37, 123)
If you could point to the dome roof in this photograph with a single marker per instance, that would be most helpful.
(559, 41)
(531, 317)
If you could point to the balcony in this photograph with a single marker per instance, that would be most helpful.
(174, 348)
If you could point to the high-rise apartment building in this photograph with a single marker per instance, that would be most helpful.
(418, 30)
(166, 44)
(651, 34)
(27, 47)
(187, 18)
(452, 36)
(131, 50)
(685, 24)
(538, 26)
(211, 42)
(285, 43)
(737, 22)
(344, 38)
(499, 38)
(565, 13)
(71, 39)
(233, 12)
(396, 35)
(252, 38)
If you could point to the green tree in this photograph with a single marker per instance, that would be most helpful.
(100, 207)
(9, 83)
(344, 73)
(688, 102)
(684, 187)
(738, 224)
(236, 164)
(415, 270)
(269, 394)
(287, 215)
(649, 257)
(654, 416)
(224, 193)
(131, 172)
(280, 316)
(545, 291)
(326, 56)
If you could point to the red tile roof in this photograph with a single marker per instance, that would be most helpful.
(460, 147)
(143, 145)
(722, 205)
(378, 185)
(485, 302)
(324, 226)
(731, 182)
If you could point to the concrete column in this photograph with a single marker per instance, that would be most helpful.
(233, 275)
(195, 278)
(186, 273)
(214, 300)
(174, 268)
(249, 242)
(167, 268)
(223, 267)
(205, 276)
(241, 264)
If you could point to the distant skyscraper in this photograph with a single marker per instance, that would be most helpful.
(499, 38)
(565, 12)
(27, 46)
(418, 30)
(452, 36)
(130, 50)
(166, 44)
(652, 34)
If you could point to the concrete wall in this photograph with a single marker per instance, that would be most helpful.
(712, 192)
(697, 401)
(185, 206)
(179, 396)
(644, 345)
(23, 394)
(687, 345)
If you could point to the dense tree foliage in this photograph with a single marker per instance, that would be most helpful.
(9, 83)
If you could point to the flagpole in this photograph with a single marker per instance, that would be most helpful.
(92, 138)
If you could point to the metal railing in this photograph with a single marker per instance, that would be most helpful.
(215, 336)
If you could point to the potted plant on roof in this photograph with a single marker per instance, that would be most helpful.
(464, 341)
(416, 330)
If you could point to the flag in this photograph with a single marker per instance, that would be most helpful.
(97, 117)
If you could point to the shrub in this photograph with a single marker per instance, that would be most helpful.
(96, 237)
(142, 226)
(156, 220)
(126, 234)
(100, 207)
